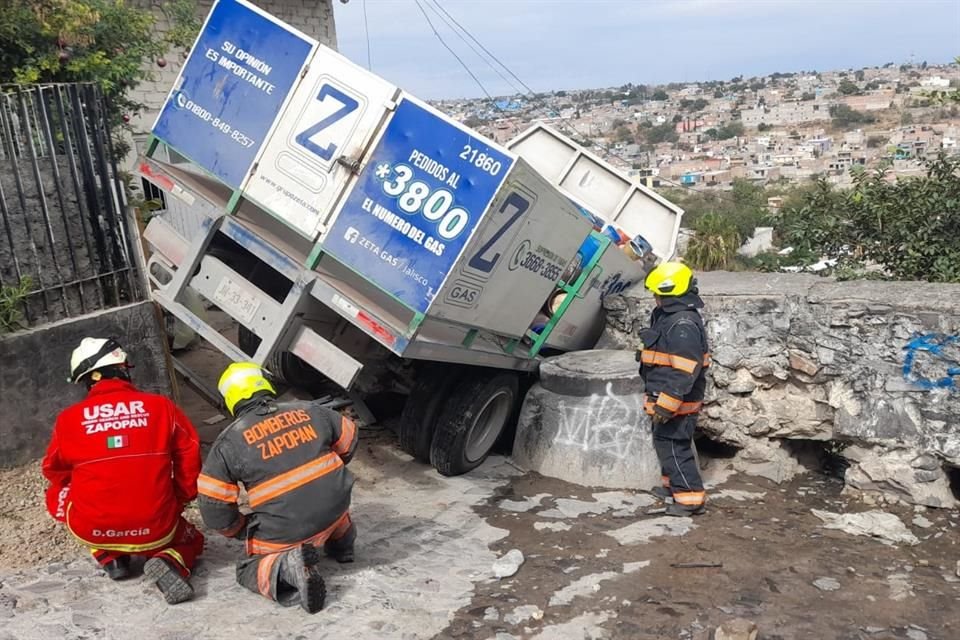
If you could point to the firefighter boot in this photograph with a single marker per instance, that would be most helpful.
(171, 582)
(662, 492)
(298, 568)
(681, 510)
(118, 568)
(341, 549)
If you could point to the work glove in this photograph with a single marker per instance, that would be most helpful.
(660, 415)
(659, 418)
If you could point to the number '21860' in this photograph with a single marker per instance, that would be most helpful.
(479, 159)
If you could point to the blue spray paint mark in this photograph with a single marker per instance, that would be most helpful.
(933, 344)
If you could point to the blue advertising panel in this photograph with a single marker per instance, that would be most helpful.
(231, 89)
(415, 204)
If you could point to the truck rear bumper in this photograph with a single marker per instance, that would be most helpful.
(276, 323)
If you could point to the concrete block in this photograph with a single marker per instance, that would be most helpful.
(600, 440)
(36, 364)
(587, 373)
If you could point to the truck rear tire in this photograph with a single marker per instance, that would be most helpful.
(419, 418)
(472, 421)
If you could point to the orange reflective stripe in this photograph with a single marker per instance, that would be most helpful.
(347, 431)
(217, 489)
(281, 484)
(668, 360)
(264, 569)
(707, 360)
(690, 498)
(655, 357)
(335, 530)
(665, 481)
(683, 364)
(668, 402)
(688, 408)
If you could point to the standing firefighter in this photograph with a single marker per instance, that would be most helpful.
(672, 365)
(291, 459)
(122, 464)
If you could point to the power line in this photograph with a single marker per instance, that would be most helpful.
(454, 54)
(536, 99)
(467, 42)
(485, 50)
(366, 33)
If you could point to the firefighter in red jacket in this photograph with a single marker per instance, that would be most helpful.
(291, 459)
(122, 464)
(673, 363)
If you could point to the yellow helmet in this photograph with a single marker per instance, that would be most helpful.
(240, 381)
(669, 279)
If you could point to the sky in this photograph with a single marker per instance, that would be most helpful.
(584, 44)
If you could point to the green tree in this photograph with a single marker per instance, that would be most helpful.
(733, 129)
(806, 96)
(909, 226)
(848, 88)
(623, 133)
(714, 245)
(844, 117)
(662, 133)
(660, 95)
(106, 42)
(906, 118)
(763, 126)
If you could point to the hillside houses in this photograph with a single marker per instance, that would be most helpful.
(781, 127)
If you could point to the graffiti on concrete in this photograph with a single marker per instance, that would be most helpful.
(932, 361)
(603, 423)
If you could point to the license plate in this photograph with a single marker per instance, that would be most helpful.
(233, 299)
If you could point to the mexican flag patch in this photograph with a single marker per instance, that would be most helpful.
(117, 442)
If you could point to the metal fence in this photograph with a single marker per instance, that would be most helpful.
(65, 237)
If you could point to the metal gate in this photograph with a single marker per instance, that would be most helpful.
(66, 247)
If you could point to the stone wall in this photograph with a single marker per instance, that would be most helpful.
(801, 358)
(36, 365)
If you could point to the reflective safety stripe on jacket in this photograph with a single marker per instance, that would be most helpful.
(291, 459)
(673, 362)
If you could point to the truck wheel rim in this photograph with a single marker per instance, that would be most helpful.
(487, 425)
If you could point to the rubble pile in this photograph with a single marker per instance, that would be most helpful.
(866, 365)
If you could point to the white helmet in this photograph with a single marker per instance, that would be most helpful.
(95, 353)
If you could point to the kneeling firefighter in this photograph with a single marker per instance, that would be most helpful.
(672, 364)
(291, 459)
(122, 464)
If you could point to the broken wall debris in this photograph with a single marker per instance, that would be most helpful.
(798, 357)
